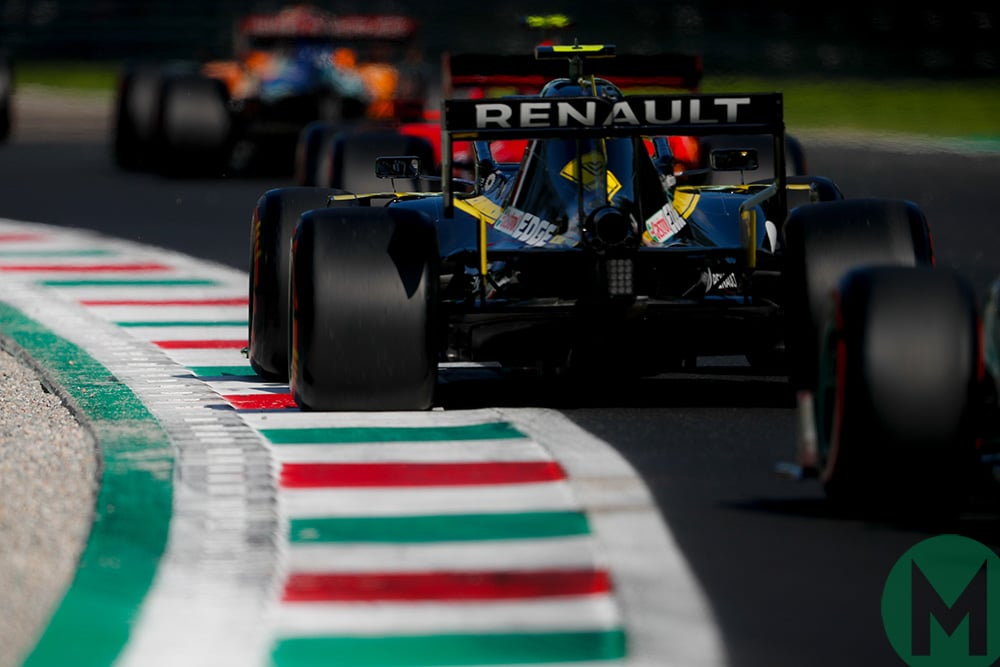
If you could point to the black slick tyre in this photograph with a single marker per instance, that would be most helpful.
(314, 139)
(898, 392)
(354, 153)
(6, 96)
(822, 242)
(136, 102)
(195, 129)
(273, 223)
(363, 292)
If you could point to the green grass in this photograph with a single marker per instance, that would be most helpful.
(963, 109)
(95, 77)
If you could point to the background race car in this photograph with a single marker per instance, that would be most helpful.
(290, 68)
(6, 95)
(904, 418)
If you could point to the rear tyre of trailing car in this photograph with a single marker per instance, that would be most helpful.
(364, 331)
(899, 390)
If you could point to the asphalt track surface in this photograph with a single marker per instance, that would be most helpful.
(790, 581)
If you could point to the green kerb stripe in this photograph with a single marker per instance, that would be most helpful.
(515, 648)
(92, 624)
(222, 371)
(188, 323)
(181, 282)
(438, 528)
(333, 435)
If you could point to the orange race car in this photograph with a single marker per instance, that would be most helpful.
(289, 68)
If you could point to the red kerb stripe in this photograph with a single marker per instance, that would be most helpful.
(12, 237)
(201, 344)
(85, 268)
(443, 586)
(261, 401)
(319, 475)
(236, 301)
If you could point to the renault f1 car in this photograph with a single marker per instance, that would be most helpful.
(291, 67)
(589, 255)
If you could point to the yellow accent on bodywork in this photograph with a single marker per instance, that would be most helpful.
(548, 21)
(593, 165)
(748, 218)
(389, 194)
(587, 49)
(685, 201)
(482, 208)
(486, 211)
(813, 196)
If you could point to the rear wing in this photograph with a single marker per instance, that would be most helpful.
(633, 115)
(525, 73)
(301, 22)
(555, 117)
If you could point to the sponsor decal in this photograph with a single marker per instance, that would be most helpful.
(728, 282)
(526, 227)
(665, 224)
(647, 111)
(483, 208)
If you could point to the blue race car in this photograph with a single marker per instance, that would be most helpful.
(590, 256)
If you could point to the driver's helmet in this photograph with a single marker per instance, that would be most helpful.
(569, 88)
(568, 179)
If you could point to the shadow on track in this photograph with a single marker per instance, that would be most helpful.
(717, 387)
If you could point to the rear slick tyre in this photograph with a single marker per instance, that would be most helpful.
(273, 223)
(899, 388)
(363, 293)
